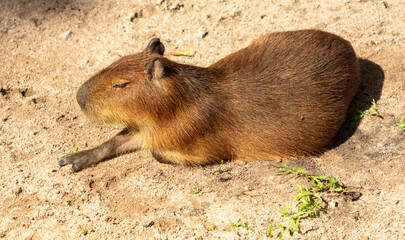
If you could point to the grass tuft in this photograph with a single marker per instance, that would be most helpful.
(401, 125)
(195, 190)
(359, 114)
(284, 169)
(306, 203)
(240, 223)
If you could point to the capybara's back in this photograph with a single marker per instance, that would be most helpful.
(290, 92)
(285, 95)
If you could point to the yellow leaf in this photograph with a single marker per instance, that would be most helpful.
(184, 52)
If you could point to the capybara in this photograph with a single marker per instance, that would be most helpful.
(283, 96)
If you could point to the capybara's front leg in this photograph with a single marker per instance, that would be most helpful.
(122, 143)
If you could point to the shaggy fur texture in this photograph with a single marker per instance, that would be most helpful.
(285, 95)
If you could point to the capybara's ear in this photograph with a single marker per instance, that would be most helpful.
(155, 46)
(155, 69)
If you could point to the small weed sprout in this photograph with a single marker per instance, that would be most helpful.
(271, 232)
(359, 114)
(219, 168)
(280, 234)
(240, 223)
(282, 230)
(307, 203)
(284, 169)
(324, 183)
(195, 190)
(335, 186)
(210, 227)
(76, 148)
(374, 110)
(401, 125)
(284, 213)
(84, 232)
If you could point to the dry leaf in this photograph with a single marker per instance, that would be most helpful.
(184, 52)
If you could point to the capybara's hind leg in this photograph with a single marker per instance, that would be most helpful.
(123, 142)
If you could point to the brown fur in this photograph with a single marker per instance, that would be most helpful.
(285, 95)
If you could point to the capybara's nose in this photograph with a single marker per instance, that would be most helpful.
(81, 96)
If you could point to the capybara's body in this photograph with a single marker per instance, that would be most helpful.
(285, 95)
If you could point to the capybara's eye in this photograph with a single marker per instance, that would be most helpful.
(121, 85)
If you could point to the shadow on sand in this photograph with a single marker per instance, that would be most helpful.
(372, 80)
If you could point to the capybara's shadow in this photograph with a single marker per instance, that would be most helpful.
(372, 80)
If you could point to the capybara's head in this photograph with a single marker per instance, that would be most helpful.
(128, 89)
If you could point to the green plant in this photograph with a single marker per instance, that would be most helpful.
(324, 183)
(195, 190)
(284, 169)
(335, 186)
(271, 232)
(401, 125)
(282, 230)
(219, 168)
(317, 181)
(359, 114)
(75, 147)
(294, 227)
(307, 203)
(210, 227)
(242, 224)
(284, 213)
(84, 232)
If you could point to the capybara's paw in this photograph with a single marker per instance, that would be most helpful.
(79, 160)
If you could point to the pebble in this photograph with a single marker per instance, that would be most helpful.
(387, 152)
(66, 35)
(201, 33)
(176, 6)
(333, 203)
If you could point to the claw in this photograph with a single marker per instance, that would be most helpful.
(62, 161)
(79, 160)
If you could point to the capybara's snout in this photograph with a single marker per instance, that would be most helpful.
(82, 95)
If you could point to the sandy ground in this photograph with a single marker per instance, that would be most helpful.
(135, 197)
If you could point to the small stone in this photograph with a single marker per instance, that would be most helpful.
(176, 6)
(201, 33)
(66, 35)
(224, 179)
(354, 195)
(150, 224)
(136, 15)
(388, 152)
(333, 203)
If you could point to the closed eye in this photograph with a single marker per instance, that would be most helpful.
(121, 85)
